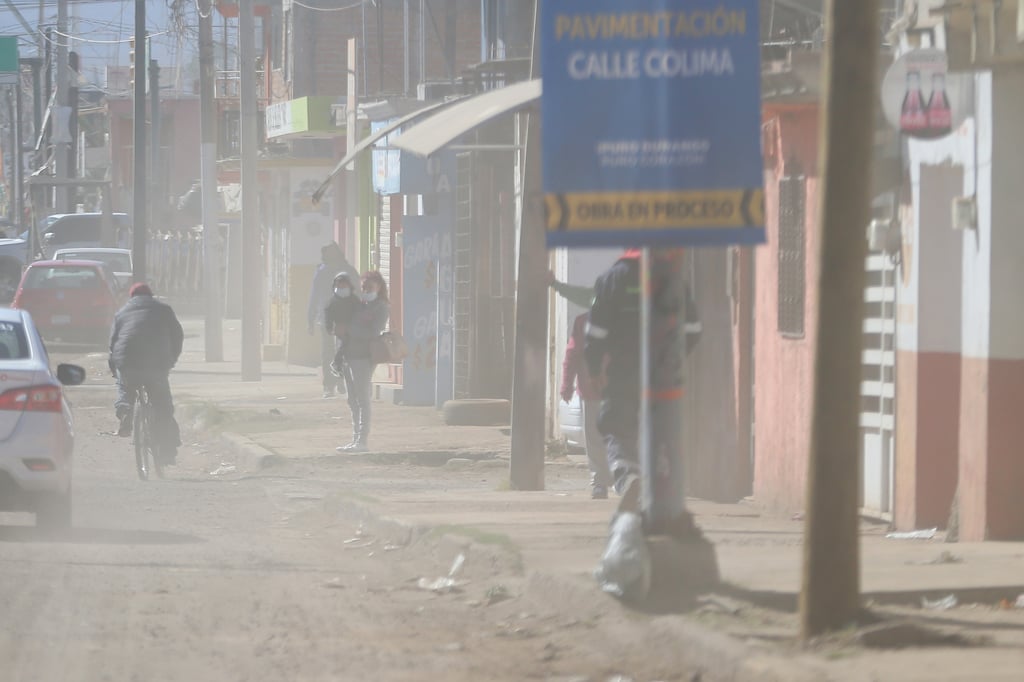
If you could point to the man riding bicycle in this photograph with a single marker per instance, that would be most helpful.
(145, 343)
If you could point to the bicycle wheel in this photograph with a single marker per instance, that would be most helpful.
(140, 435)
(145, 442)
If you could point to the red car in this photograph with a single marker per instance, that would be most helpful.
(71, 301)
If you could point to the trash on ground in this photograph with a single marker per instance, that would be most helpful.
(358, 543)
(797, 516)
(276, 412)
(946, 557)
(1020, 602)
(717, 602)
(625, 569)
(224, 468)
(447, 583)
(944, 604)
(927, 534)
(497, 593)
(334, 584)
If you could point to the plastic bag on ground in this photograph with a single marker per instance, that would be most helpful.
(625, 570)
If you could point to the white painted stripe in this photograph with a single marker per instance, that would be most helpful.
(880, 295)
(879, 357)
(877, 389)
(879, 325)
(873, 420)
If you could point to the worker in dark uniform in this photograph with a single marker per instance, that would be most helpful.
(612, 354)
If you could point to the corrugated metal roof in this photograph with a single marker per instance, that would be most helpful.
(434, 133)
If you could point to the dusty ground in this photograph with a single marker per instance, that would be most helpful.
(202, 577)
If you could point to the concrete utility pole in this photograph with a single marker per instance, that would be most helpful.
(213, 324)
(350, 238)
(139, 207)
(156, 202)
(526, 468)
(830, 598)
(252, 264)
(62, 139)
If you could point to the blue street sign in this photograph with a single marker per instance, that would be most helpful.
(651, 122)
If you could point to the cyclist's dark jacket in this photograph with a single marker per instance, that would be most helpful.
(146, 336)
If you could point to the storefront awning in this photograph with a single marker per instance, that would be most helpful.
(368, 142)
(436, 132)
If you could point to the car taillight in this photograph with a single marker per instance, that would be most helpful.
(32, 399)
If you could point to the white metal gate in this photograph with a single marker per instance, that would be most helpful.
(384, 239)
(878, 388)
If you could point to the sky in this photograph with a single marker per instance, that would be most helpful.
(101, 29)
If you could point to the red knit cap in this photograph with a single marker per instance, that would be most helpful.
(140, 289)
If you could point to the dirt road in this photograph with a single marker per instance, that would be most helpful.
(212, 577)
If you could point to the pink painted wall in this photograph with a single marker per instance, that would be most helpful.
(783, 366)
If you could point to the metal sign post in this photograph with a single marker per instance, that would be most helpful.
(663, 374)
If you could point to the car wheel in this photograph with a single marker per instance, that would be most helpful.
(480, 412)
(54, 512)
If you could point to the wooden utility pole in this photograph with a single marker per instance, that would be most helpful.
(526, 468)
(139, 205)
(213, 326)
(252, 264)
(830, 597)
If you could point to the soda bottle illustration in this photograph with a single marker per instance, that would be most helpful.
(913, 118)
(940, 116)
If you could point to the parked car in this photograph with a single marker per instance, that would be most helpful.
(62, 230)
(77, 230)
(119, 260)
(36, 425)
(570, 423)
(71, 300)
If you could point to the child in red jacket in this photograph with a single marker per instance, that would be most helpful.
(576, 378)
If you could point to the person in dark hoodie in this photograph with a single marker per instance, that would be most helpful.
(333, 263)
(338, 314)
(612, 354)
(145, 344)
(369, 321)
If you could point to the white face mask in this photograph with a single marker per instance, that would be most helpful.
(370, 296)
(342, 292)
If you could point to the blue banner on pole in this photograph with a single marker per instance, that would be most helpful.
(651, 121)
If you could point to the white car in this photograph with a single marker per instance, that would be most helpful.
(36, 426)
(119, 260)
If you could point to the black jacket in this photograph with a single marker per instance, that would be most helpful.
(367, 323)
(146, 336)
(613, 329)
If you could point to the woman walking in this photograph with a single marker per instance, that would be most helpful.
(366, 324)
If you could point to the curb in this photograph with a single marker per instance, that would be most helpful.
(251, 456)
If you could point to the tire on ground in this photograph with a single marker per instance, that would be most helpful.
(477, 412)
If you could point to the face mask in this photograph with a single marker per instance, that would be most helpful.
(370, 296)
(342, 292)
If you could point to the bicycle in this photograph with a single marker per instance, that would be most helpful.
(146, 458)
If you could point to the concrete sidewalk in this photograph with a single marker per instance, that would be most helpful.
(422, 474)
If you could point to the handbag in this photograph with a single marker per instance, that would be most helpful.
(388, 348)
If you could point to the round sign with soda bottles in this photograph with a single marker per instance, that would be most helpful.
(921, 98)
